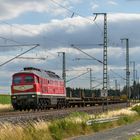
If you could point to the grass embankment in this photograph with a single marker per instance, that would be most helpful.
(5, 99)
(5, 103)
(137, 137)
(5, 107)
(137, 109)
(73, 125)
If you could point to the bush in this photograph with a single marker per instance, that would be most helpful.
(137, 109)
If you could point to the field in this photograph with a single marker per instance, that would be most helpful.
(5, 103)
(5, 99)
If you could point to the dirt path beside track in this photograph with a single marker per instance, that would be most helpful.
(120, 133)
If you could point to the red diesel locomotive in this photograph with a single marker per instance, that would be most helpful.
(34, 88)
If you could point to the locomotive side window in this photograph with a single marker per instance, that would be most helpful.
(17, 80)
(61, 84)
(28, 79)
(36, 80)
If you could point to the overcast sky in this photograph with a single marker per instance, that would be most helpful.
(56, 24)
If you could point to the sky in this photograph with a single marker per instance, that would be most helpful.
(56, 25)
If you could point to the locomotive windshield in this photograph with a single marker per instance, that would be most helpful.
(28, 79)
(17, 80)
(23, 79)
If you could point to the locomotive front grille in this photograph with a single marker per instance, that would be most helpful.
(23, 99)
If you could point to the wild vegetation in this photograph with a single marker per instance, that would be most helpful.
(73, 125)
(137, 137)
(137, 109)
(5, 99)
(5, 107)
(5, 103)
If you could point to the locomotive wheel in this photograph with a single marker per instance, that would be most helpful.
(79, 105)
(42, 104)
(20, 109)
(59, 105)
(73, 105)
(28, 107)
(34, 108)
(15, 107)
(41, 107)
(38, 107)
(68, 105)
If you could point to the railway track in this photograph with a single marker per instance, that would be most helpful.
(18, 117)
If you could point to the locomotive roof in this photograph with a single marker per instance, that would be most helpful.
(40, 72)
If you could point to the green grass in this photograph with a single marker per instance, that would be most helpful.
(70, 126)
(137, 137)
(5, 99)
(60, 129)
(137, 109)
(31, 133)
(64, 128)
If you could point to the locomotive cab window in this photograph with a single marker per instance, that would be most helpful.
(28, 79)
(36, 80)
(17, 80)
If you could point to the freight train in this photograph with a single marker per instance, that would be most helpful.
(34, 88)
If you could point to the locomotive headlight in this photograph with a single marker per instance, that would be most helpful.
(14, 97)
(33, 96)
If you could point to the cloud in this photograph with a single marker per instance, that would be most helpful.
(53, 33)
(111, 2)
(132, 0)
(94, 6)
(124, 17)
(58, 35)
(63, 33)
(11, 9)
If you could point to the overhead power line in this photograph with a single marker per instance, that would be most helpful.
(97, 85)
(117, 74)
(82, 59)
(72, 45)
(77, 76)
(25, 30)
(18, 27)
(11, 40)
(19, 55)
(69, 10)
(75, 70)
(90, 44)
(26, 45)
(40, 58)
(76, 13)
